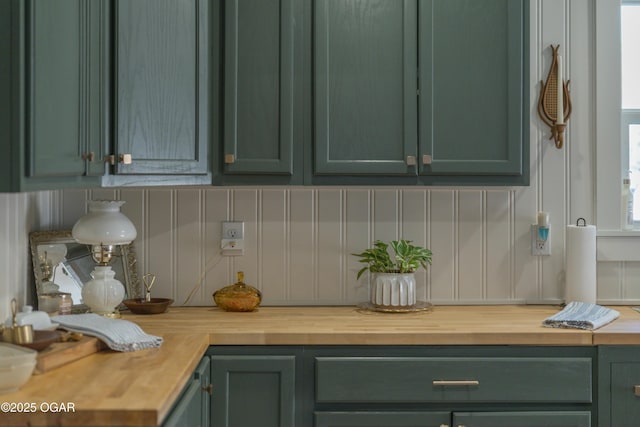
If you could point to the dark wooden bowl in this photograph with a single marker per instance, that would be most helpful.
(42, 340)
(155, 306)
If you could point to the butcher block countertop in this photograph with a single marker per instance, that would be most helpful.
(139, 388)
(454, 325)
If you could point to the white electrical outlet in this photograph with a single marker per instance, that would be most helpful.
(232, 242)
(539, 247)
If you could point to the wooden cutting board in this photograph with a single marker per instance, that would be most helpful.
(61, 353)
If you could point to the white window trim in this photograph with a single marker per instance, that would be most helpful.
(613, 244)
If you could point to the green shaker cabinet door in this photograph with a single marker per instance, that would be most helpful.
(472, 96)
(365, 87)
(253, 391)
(261, 70)
(66, 101)
(382, 419)
(161, 86)
(523, 419)
(619, 386)
(194, 407)
(187, 412)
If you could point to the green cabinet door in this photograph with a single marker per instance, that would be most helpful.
(54, 91)
(161, 89)
(364, 72)
(523, 419)
(67, 87)
(194, 405)
(253, 391)
(262, 115)
(618, 386)
(382, 419)
(473, 104)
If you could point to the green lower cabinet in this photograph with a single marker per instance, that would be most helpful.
(382, 419)
(403, 386)
(619, 386)
(253, 391)
(522, 419)
(194, 406)
(458, 419)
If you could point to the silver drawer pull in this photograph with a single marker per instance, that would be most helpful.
(455, 383)
(636, 390)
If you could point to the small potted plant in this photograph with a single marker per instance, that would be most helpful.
(394, 282)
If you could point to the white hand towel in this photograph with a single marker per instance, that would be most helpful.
(581, 315)
(118, 334)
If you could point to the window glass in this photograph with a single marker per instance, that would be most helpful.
(630, 44)
(630, 57)
(634, 164)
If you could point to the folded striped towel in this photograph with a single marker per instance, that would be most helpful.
(118, 334)
(581, 315)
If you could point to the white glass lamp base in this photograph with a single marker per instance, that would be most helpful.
(102, 294)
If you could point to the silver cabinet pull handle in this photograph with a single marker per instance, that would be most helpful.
(455, 383)
(411, 160)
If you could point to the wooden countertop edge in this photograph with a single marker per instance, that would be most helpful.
(579, 338)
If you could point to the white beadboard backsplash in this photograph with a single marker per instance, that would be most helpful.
(299, 241)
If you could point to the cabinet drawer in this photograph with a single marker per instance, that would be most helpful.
(458, 379)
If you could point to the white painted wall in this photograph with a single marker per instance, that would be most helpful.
(20, 214)
(299, 239)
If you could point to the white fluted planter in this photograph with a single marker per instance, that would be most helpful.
(393, 289)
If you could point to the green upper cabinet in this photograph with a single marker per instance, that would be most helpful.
(54, 86)
(472, 93)
(262, 68)
(432, 90)
(161, 92)
(365, 87)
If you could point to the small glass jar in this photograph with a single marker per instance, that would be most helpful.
(55, 303)
(238, 297)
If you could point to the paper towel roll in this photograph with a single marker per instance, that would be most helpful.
(581, 264)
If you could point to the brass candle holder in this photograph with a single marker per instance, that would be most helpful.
(554, 104)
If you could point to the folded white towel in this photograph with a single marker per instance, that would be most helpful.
(118, 334)
(581, 315)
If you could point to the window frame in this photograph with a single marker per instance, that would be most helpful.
(613, 244)
(628, 117)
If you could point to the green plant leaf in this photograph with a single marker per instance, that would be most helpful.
(407, 257)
